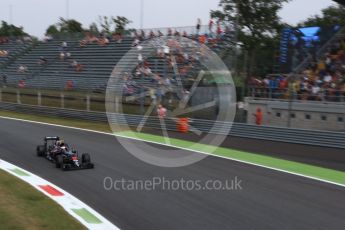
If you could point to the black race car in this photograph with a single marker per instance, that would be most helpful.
(55, 150)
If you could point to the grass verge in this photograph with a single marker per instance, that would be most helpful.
(23, 207)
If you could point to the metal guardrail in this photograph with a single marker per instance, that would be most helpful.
(299, 136)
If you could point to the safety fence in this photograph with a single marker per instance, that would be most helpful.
(298, 136)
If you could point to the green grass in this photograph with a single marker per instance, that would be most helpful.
(286, 165)
(267, 161)
(23, 207)
(72, 99)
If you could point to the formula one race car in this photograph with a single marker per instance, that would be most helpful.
(55, 150)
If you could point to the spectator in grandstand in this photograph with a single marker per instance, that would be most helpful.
(160, 52)
(184, 34)
(177, 34)
(64, 46)
(117, 37)
(4, 40)
(142, 35)
(160, 34)
(152, 34)
(273, 86)
(79, 67)
(21, 84)
(219, 30)
(210, 26)
(22, 69)
(135, 42)
(82, 43)
(103, 41)
(62, 56)
(202, 39)
(161, 111)
(4, 81)
(73, 63)
(198, 25)
(47, 38)
(3, 53)
(70, 84)
(170, 33)
(42, 60)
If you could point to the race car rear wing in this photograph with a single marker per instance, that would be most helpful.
(52, 138)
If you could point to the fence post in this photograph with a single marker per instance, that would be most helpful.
(62, 96)
(39, 98)
(87, 102)
(0, 95)
(18, 97)
(343, 102)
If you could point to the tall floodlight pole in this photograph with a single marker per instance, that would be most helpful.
(236, 27)
(141, 13)
(10, 14)
(67, 9)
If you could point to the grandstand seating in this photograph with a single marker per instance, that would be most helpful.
(98, 63)
(13, 48)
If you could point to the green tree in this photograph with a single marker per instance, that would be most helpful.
(52, 30)
(257, 26)
(93, 29)
(11, 30)
(65, 26)
(120, 23)
(331, 16)
(70, 26)
(105, 22)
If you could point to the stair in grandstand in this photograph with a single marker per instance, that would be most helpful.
(14, 48)
(48, 50)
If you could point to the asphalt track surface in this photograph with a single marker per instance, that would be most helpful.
(268, 199)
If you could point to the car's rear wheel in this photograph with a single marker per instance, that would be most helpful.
(85, 158)
(40, 150)
(59, 161)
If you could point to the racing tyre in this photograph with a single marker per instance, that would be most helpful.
(40, 150)
(85, 158)
(59, 161)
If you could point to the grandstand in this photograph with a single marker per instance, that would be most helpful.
(13, 48)
(97, 61)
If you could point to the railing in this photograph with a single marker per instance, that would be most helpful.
(322, 95)
(298, 136)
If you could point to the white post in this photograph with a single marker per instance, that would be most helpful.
(18, 97)
(39, 98)
(87, 102)
(62, 100)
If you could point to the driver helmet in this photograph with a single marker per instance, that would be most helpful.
(60, 143)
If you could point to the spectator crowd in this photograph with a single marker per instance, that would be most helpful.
(323, 79)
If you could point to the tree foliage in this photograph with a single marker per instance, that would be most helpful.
(331, 16)
(9, 30)
(257, 26)
(120, 23)
(65, 26)
(113, 24)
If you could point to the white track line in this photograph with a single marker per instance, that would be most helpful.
(201, 152)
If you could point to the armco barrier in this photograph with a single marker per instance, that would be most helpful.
(300, 136)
